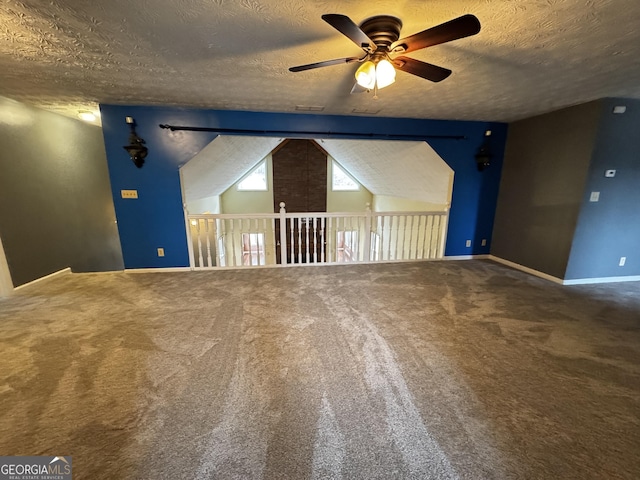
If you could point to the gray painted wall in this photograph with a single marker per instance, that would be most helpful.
(610, 228)
(56, 209)
(542, 187)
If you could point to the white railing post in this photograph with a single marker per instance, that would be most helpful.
(234, 257)
(214, 230)
(222, 243)
(299, 239)
(200, 260)
(315, 240)
(206, 230)
(323, 241)
(444, 225)
(366, 255)
(283, 234)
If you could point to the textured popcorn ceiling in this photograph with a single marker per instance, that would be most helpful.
(411, 170)
(222, 163)
(531, 56)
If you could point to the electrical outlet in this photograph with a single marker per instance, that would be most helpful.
(468, 244)
(623, 260)
(129, 193)
(484, 242)
(161, 252)
(595, 196)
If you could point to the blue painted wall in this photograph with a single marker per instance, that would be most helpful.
(475, 193)
(610, 228)
(156, 219)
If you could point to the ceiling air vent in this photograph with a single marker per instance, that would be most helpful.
(364, 111)
(309, 108)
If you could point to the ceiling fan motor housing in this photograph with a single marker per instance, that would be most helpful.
(382, 29)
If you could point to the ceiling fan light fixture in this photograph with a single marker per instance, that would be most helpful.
(383, 33)
(385, 73)
(366, 75)
(380, 74)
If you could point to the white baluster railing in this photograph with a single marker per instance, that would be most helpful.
(280, 239)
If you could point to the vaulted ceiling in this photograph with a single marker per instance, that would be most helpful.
(410, 170)
(222, 162)
(531, 56)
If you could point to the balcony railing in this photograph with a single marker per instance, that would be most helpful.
(281, 239)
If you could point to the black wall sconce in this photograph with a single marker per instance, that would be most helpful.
(483, 157)
(136, 149)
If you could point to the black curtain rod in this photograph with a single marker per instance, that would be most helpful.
(278, 133)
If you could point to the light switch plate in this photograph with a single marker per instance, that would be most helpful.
(610, 173)
(595, 196)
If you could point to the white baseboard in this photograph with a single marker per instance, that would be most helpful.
(157, 270)
(528, 270)
(46, 277)
(103, 272)
(575, 281)
(466, 257)
(517, 266)
(313, 265)
(589, 281)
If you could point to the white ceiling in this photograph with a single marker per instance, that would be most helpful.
(531, 56)
(222, 163)
(411, 170)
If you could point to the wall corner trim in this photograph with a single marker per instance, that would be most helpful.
(64, 271)
(6, 284)
(528, 270)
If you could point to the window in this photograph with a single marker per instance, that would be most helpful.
(342, 180)
(256, 179)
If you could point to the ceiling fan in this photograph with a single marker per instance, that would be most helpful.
(379, 37)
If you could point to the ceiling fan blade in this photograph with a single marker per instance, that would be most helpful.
(345, 25)
(326, 63)
(421, 69)
(460, 27)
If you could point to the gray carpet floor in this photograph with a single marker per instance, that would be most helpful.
(439, 370)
